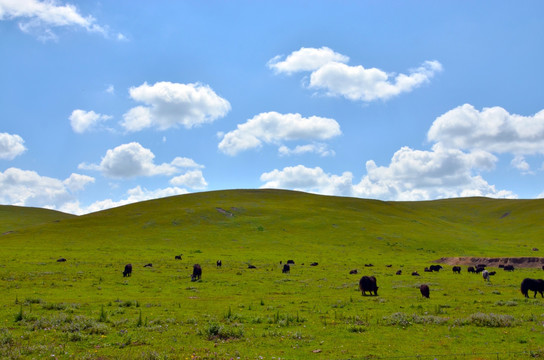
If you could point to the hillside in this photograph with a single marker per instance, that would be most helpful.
(13, 218)
(314, 225)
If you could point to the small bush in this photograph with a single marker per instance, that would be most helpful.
(488, 320)
(218, 331)
(6, 338)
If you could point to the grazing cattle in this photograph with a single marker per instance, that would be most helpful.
(508, 267)
(485, 275)
(501, 266)
(352, 272)
(368, 283)
(291, 262)
(286, 269)
(471, 269)
(148, 265)
(536, 285)
(399, 272)
(178, 257)
(61, 260)
(369, 265)
(427, 270)
(313, 264)
(492, 273)
(481, 266)
(251, 267)
(128, 270)
(479, 270)
(415, 273)
(542, 267)
(197, 272)
(435, 267)
(424, 289)
(456, 269)
(219, 263)
(388, 265)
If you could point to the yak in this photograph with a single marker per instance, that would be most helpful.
(456, 269)
(435, 267)
(286, 268)
(128, 270)
(415, 273)
(197, 272)
(485, 275)
(536, 285)
(424, 289)
(399, 272)
(471, 269)
(148, 265)
(313, 264)
(291, 262)
(219, 263)
(508, 268)
(368, 283)
(177, 257)
(353, 272)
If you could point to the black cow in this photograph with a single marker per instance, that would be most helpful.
(61, 260)
(415, 273)
(456, 269)
(197, 272)
(128, 270)
(491, 273)
(353, 272)
(368, 283)
(435, 267)
(219, 263)
(177, 257)
(251, 267)
(148, 265)
(399, 272)
(536, 285)
(313, 264)
(291, 262)
(485, 275)
(424, 289)
(286, 269)
(369, 265)
(471, 269)
(508, 267)
(427, 270)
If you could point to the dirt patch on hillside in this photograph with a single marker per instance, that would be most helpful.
(520, 262)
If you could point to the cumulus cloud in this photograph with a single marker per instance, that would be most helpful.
(133, 195)
(40, 17)
(132, 160)
(82, 121)
(11, 146)
(274, 128)
(306, 59)
(192, 179)
(316, 148)
(169, 105)
(492, 129)
(331, 74)
(411, 175)
(28, 188)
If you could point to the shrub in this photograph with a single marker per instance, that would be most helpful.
(218, 331)
(488, 320)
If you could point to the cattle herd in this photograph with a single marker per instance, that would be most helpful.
(369, 283)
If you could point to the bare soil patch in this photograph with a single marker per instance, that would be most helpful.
(520, 262)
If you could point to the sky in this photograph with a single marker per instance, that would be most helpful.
(106, 103)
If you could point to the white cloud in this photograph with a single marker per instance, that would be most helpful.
(132, 160)
(192, 179)
(520, 163)
(172, 104)
(306, 59)
(28, 188)
(492, 129)
(134, 195)
(39, 17)
(110, 89)
(77, 182)
(274, 128)
(411, 175)
(317, 148)
(330, 73)
(359, 84)
(83, 121)
(11, 146)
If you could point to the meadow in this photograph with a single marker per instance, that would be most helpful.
(85, 309)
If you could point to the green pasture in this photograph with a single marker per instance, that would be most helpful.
(85, 309)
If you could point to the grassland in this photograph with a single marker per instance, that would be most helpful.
(83, 308)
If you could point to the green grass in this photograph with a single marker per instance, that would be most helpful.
(84, 308)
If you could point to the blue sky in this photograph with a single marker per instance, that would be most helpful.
(103, 103)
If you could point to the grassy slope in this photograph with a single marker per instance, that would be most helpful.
(13, 218)
(267, 226)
